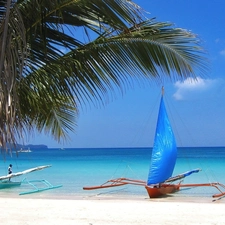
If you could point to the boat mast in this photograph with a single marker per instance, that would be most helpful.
(162, 90)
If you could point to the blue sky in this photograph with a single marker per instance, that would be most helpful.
(196, 109)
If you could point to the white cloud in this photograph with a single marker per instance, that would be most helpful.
(192, 86)
(222, 52)
(217, 40)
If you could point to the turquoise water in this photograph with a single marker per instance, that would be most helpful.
(75, 168)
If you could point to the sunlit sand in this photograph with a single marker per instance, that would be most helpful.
(102, 211)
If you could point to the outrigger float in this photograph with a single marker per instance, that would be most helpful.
(164, 155)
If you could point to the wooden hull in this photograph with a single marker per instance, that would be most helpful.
(159, 191)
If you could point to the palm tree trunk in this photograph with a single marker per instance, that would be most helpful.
(5, 31)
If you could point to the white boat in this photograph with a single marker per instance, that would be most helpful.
(9, 184)
(24, 150)
(5, 181)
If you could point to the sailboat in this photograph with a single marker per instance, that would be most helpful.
(160, 181)
(164, 155)
(5, 181)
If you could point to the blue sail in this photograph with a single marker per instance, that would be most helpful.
(164, 151)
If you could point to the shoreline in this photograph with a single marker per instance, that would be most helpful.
(108, 211)
(86, 195)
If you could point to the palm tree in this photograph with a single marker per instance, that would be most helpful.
(60, 55)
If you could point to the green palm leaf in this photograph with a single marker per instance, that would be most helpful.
(80, 51)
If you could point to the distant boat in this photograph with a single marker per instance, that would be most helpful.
(163, 160)
(24, 150)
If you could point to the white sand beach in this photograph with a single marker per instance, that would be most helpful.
(21, 211)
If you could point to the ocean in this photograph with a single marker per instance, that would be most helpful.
(75, 168)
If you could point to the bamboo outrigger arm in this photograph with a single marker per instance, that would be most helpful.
(24, 172)
(125, 181)
(117, 182)
(216, 185)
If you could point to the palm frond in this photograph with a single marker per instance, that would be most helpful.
(79, 52)
(13, 54)
(155, 50)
